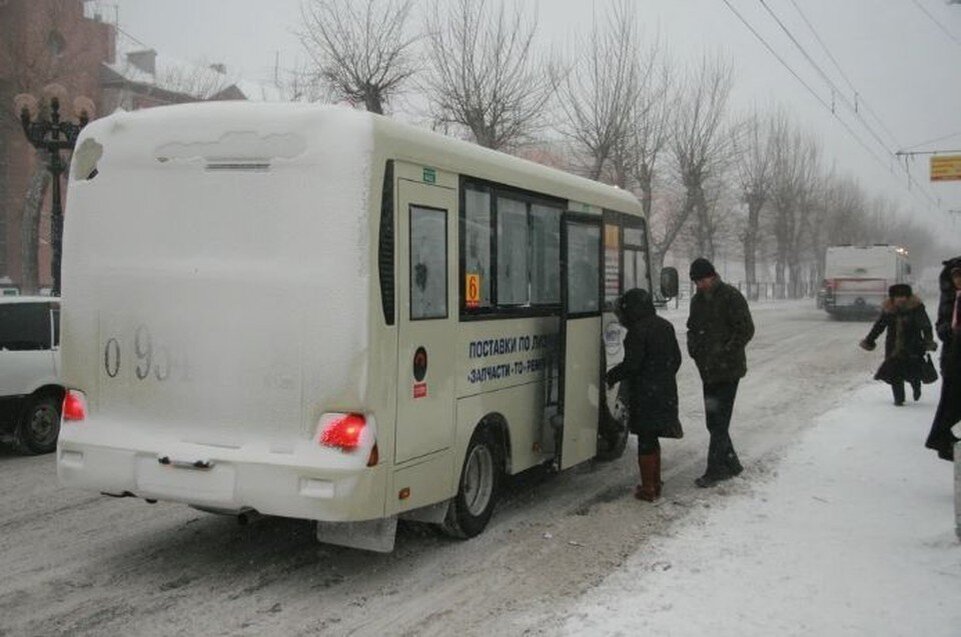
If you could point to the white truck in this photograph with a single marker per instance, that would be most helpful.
(856, 278)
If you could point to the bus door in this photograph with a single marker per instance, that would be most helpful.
(426, 320)
(580, 334)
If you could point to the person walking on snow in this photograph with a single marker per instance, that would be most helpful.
(718, 329)
(909, 335)
(651, 360)
(948, 326)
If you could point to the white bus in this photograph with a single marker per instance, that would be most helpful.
(857, 278)
(324, 314)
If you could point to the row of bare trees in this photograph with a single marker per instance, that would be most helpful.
(615, 109)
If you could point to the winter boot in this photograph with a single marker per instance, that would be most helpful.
(648, 489)
(916, 391)
(706, 481)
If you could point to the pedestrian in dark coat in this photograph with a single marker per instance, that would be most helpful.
(651, 360)
(909, 336)
(948, 327)
(718, 329)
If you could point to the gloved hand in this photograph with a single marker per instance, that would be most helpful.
(931, 346)
(867, 345)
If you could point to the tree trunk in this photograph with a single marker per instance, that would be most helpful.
(750, 266)
(795, 272)
(30, 226)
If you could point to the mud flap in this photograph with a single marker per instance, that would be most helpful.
(373, 535)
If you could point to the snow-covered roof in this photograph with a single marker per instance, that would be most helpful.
(139, 64)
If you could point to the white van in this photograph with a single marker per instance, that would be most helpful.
(30, 389)
(321, 313)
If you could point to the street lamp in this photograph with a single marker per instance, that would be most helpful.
(46, 131)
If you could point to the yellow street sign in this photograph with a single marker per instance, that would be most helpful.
(946, 168)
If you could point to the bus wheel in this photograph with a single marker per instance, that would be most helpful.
(471, 509)
(39, 425)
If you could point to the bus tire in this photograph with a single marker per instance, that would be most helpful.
(470, 509)
(39, 424)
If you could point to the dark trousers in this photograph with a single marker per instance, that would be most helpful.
(647, 443)
(722, 460)
(897, 388)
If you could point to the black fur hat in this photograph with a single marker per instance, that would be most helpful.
(701, 268)
(899, 289)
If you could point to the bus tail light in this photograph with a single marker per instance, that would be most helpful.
(346, 432)
(74, 406)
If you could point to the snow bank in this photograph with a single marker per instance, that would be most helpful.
(855, 535)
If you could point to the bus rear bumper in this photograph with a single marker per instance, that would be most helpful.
(227, 480)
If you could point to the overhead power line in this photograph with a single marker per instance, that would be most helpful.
(858, 96)
(932, 141)
(851, 106)
(932, 201)
(940, 26)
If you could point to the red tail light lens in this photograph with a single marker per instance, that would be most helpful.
(344, 432)
(74, 405)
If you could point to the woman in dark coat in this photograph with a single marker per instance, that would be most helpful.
(651, 360)
(949, 331)
(909, 336)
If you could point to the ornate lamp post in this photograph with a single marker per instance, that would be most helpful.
(45, 130)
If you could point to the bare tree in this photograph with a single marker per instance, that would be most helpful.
(752, 146)
(795, 180)
(362, 50)
(199, 80)
(301, 84)
(699, 146)
(485, 74)
(600, 94)
(650, 124)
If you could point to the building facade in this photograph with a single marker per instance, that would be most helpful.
(41, 42)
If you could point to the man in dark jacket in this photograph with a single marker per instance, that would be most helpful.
(909, 336)
(718, 329)
(948, 327)
(651, 360)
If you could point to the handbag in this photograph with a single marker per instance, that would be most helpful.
(673, 430)
(928, 373)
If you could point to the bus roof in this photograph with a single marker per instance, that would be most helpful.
(410, 143)
(285, 129)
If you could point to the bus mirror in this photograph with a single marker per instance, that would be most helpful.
(669, 283)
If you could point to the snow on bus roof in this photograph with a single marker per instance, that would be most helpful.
(197, 124)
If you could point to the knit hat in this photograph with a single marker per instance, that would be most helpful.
(899, 289)
(701, 268)
(636, 304)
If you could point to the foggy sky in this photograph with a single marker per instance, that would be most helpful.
(905, 68)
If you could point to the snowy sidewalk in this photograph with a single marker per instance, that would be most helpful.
(853, 536)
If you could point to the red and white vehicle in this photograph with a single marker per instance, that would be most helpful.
(856, 278)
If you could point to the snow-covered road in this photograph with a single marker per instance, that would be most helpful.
(853, 536)
(74, 562)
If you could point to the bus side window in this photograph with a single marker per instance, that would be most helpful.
(477, 241)
(428, 263)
